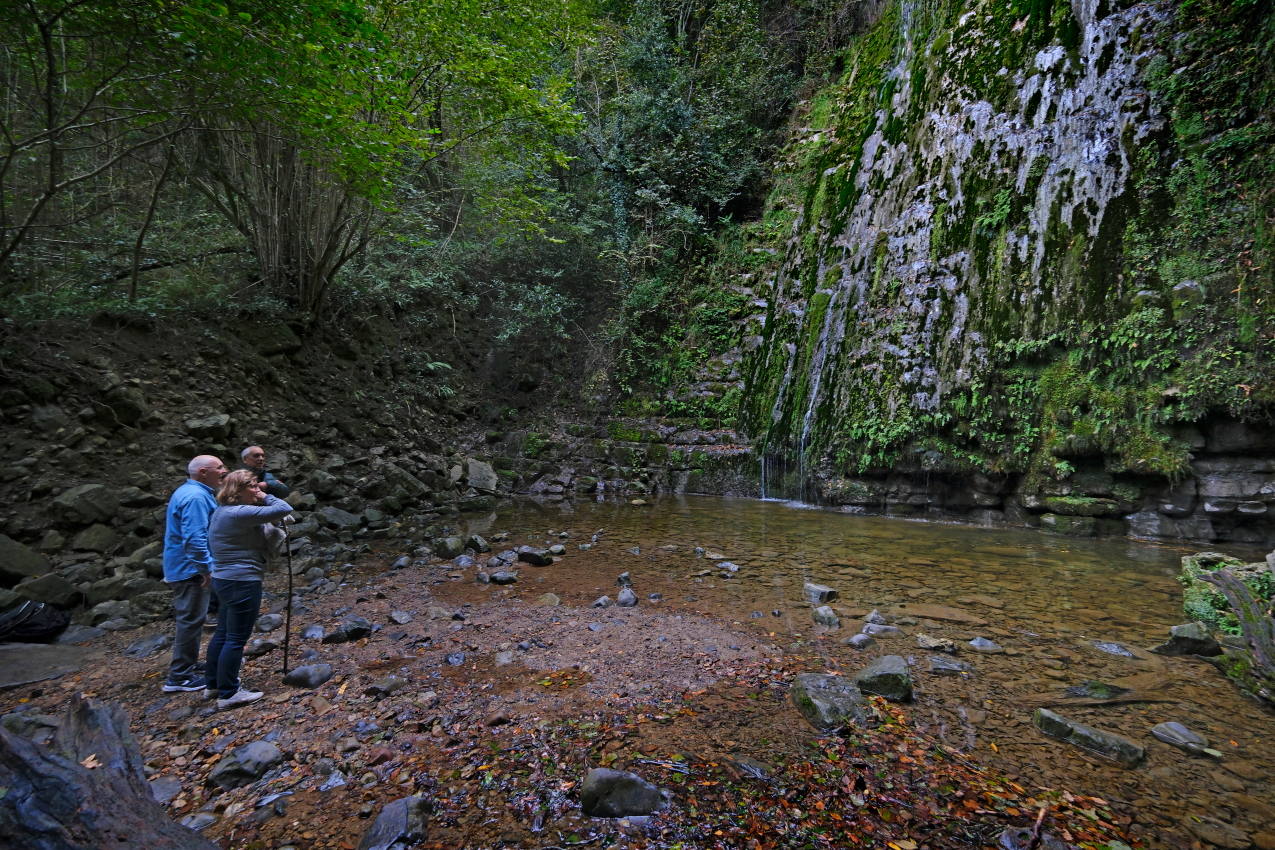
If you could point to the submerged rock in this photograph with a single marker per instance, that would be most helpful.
(1177, 735)
(1106, 744)
(825, 616)
(817, 594)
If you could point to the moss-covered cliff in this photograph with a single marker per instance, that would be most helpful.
(1030, 248)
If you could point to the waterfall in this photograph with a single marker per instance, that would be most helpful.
(1025, 181)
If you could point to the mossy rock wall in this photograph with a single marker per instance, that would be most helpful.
(1010, 256)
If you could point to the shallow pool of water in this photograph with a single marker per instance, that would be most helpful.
(1065, 611)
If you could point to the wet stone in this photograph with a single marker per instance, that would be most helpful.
(1177, 735)
(1189, 639)
(861, 641)
(982, 644)
(878, 630)
(818, 594)
(887, 677)
(1107, 744)
(1113, 649)
(944, 666)
(603, 602)
(626, 598)
(401, 618)
(1218, 834)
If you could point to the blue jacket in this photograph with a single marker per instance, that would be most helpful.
(186, 531)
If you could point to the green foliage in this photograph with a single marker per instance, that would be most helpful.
(1205, 602)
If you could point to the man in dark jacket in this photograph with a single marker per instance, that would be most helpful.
(254, 460)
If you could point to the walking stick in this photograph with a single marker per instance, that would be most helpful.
(287, 618)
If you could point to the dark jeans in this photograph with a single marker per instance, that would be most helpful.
(240, 604)
(190, 605)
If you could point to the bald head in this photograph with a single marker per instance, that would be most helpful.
(206, 469)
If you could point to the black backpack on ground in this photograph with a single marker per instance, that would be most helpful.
(32, 622)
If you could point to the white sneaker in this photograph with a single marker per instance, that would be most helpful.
(240, 697)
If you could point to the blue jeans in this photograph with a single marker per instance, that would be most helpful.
(190, 605)
(240, 604)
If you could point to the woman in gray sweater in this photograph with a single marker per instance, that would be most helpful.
(240, 538)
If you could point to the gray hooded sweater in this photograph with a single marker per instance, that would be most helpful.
(237, 538)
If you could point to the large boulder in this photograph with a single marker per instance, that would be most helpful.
(829, 702)
(336, 518)
(887, 677)
(96, 538)
(18, 562)
(86, 504)
(616, 794)
(51, 588)
(1106, 744)
(480, 474)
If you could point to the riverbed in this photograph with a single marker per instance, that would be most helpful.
(1063, 611)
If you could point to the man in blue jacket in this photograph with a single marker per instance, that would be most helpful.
(254, 460)
(186, 566)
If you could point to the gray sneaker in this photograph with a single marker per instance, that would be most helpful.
(240, 697)
(196, 684)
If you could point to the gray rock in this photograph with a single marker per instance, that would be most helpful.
(937, 644)
(401, 563)
(353, 628)
(504, 577)
(626, 598)
(269, 622)
(557, 549)
(164, 789)
(312, 632)
(825, 616)
(148, 646)
(624, 579)
(887, 677)
(982, 644)
(477, 543)
(609, 793)
(1218, 833)
(308, 676)
(480, 475)
(1189, 639)
(818, 594)
(198, 821)
(876, 618)
(245, 765)
(50, 588)
(401, 824)
(549, 599)
(829, 702)
(215, 427)
(504, 658)
(385, 686)
(334, 517)
(1177, 735)
(18, 561)
(1106, 744)
(941, 665)
(449, 547)
(535, 557)
(401, 618)
(96, 538)
(1021, 838)
(463, 562)
(879, 630)
(861, 641)
(603, 602)
(87, 504)
(1112, 648)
